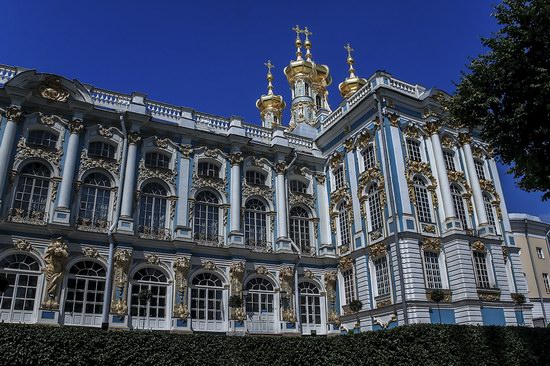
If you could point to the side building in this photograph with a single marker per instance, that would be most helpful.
(119, 211)
(532, 236)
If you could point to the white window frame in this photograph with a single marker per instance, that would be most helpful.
(368, 157)
(412, 154)
(339, 177)
(449, 159)
(343, 213)
(348, 285)
(374, 276)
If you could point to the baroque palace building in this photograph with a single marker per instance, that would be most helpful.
(124, 212)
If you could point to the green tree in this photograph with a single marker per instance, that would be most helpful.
(506, 92)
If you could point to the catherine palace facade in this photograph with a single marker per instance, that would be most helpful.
(123, 212)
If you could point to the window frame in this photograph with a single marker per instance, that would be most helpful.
(414, 149)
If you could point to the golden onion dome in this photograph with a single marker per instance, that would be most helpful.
(270, 101)
(352, 83)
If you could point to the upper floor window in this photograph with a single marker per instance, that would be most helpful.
(206, 217)
(255, 178)
(344, 226)
(42, 138)
(413, 150)
(423, 209)
(101, 149)
(307, 89)
(94, 200)
(431, 266)
(299, 229)
(375, 209)
(449, 157)
(152, 210)
(318, 103)
(255, 223)
(489, 210)
(540, 253)
(339, 179)
(369, 159)
(206, 169)
(482, 275)
(298, 186)
(31, 195)
(480, 168)
(157, 160)
(546, 281)
(458, 203)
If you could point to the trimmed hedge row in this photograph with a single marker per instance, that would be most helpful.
(411, 345)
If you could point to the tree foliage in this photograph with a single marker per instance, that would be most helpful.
(506, 93)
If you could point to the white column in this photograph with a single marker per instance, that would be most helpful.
(75, 127)
(13, 115)
(322, 199)
(183, 187)
(235, 192)
(444, 186)
(130, 175)
(282, 211)
(353, 177)
(465, 140)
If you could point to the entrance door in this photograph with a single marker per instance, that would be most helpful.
(149, 298)
(207, 305)
(310, 308)
(260, 307)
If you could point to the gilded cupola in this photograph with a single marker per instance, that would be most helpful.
(270, 105)
(308, 83)
(352, 83)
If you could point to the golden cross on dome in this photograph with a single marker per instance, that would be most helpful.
(306, 32)
(297, 30)
(349, 49)
(269, 66)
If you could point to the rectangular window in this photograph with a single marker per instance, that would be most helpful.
(540, 253)
(255, 178)
(339, 180)
(449, 158)
(489, 211)
(546, 282)
(482, 276)
(298, 186)
(349, 286)
(431, 265)
(345, 227)
(480, 169)
(382, 276)
(42, 138)
(413, 150)
(157, 160)
(208, 170)
(369, 158)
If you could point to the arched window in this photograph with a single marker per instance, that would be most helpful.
(207, 217)
(95, 196)
(375, 209)
(31, 195)
(299, 229)
(157, 160)
(207, 297)
(84, 296)
(458, 203)
(259, 298)
(255, 223)
(148, 299)
(152, 210)
(423, 209)
(42, 138)
(17, 302)
(101, 149)
(489, 210)
(344, 224)
(208, 169)
(310, 303)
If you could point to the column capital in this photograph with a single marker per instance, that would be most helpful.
(321, 178)
(134, 138)
(280, 167)
(186, 151)
(348, 145)
(433, 127)
(236, 158)
(14, 113)
(464, 138)
(76, 126)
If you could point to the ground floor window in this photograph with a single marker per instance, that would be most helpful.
(207, 297)
(310, 303)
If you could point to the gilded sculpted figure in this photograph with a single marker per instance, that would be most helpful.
(55, 257)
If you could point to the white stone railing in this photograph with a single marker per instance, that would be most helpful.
(257, 133)
(108, 99)
(7, 73)
(210, 122)
(402, 86)
(163, 110)
(299, 142)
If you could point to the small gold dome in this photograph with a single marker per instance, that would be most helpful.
(270, 101)
(352, 83)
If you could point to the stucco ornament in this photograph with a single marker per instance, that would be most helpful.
(181, 311)
(23, 245)
(181, 268)
(289, 315)
(330, 285)
(236, 273)
(121, 259)
(53, 90)
(119, 307)
(54, 257)
(286, 274)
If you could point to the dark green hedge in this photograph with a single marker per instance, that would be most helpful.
(408, 345)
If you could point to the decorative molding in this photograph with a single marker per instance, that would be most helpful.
(348, 145)
(23, 245)
(383, 324)
(309, 274)
(330, 284)
(181, 311)
(363, 139)
(121, 260)
(479, 246)
(335, 160)
(433, 244)
(52, 89)
(186, 151)
(345, 263)
(54, 257)
(152, 259)
(181, 268)
(262, 271)
(90, 162)
(218, 184)
(236, 158)
(134, 138)
(91, 252)
(377, 250)
(49, 120)
(76, 126)
(286, 274)
(167, 175)
(25, 152)
(464, 138)
(418, 167)
(209, 265)
(306, 199)
(14, 113)
(432, 128)
(236, 274)
(321, 178)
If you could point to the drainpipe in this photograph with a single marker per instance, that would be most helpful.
(110, 232)
(298, 250)
(394, 211)
(541, 299)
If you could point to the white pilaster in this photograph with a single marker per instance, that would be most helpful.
(183, 229)
(324, 218)
(126, 220)
(353, 178)
(283, 242)
(13, 115)
(235, 236)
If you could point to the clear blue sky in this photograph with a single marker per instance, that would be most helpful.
(209, 55)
